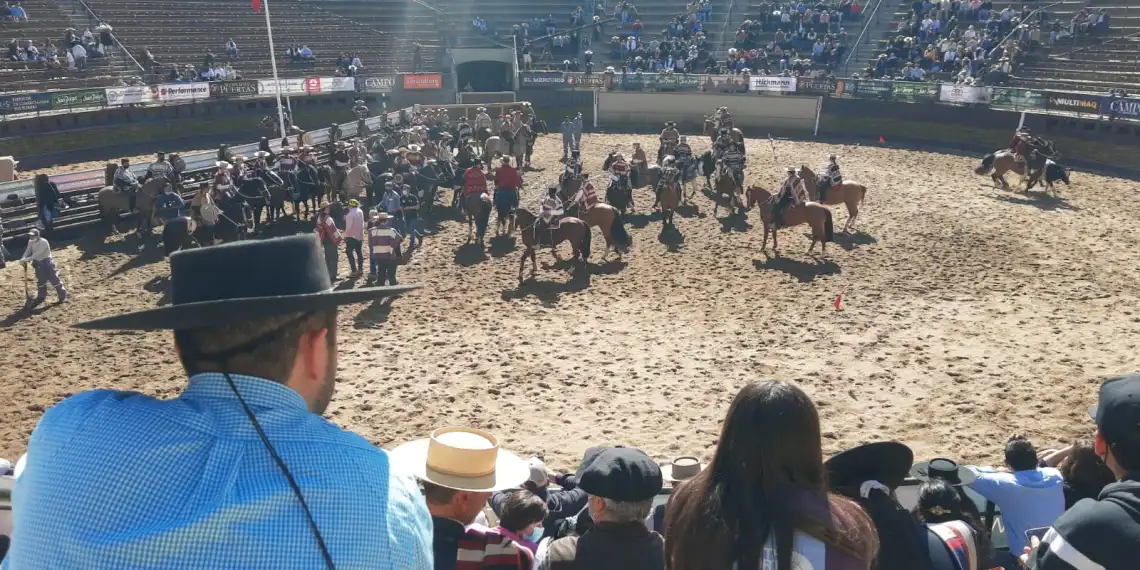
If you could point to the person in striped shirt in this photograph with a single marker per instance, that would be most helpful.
(383, 250)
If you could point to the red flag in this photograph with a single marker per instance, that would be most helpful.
(838, 299)
(881, 139)
(257, 6)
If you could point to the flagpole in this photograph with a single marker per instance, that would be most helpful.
(273, 63)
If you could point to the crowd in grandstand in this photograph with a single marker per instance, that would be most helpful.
(73, 52)
(13, 12)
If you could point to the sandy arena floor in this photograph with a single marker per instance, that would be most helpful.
(968, 314)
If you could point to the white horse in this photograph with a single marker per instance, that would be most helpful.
(356, 181)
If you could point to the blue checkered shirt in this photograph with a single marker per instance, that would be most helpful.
(121, 480)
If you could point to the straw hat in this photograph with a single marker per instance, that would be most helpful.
(414, 148)
(681, 468)
(222, 164)
(324, 204)
(464, 459)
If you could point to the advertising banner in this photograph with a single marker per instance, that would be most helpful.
(725, 84)
(423, 81)
(591, 80)
(25, 103)
(376, 84)
(336, 84)
(865, 88)
(1120, 107)
(183, 91)
(678, 82)
(294, 86)
(815, 84)
(635, 81)
(773, 84)
(1074, 103)
(542, 79)
(964, 94)
(1018, 98)
(220, 89)
(79, 98)
(914, 92)
(131, 95)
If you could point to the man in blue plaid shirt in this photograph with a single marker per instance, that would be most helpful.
(240, 470)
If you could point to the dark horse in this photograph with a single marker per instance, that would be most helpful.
(572, 230)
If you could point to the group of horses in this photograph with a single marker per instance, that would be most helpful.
(1041, 164)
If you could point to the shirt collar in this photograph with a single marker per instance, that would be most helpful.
(257, 392)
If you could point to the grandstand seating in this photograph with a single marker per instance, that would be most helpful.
(407, 21)
(656, 16)
(47, 21)
(752, 11)
(502, 14)
(179, 32)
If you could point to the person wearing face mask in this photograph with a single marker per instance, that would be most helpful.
(459, 469)
(520, 517)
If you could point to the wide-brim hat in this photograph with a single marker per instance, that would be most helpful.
(885, 461)
(414, 148)
(262, 154)
(481, 109)
(943, 469)
(222, 164)
(464, 459)
(681, 468)
(259, 279)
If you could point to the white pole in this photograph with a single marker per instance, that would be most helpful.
(595, 108)
(1021, 123)
(818, 107)
(273, 63)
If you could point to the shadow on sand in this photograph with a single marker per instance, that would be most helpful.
(1039, 200)
(804, 271)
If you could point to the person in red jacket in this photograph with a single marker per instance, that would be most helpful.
(474, 181)
(508, 181)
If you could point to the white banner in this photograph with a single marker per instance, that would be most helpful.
(780, 84)
(183, 91)
(288, 86)
(964, 94)
(130, 95)
(332, 84)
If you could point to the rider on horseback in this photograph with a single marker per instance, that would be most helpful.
(464, 131)
(223, 183)
(573, 166)
(482, 119)
(360, 109)
(683, 153)
(831, 177)
(669, 137)
(125, 181)
(1020, 144)
(158, 168)
(725, 120)
(669, 174)
(791, 192)
(401, 164)
(549, 212)
(735, 162)
(588, 195)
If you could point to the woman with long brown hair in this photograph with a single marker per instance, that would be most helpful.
(762, 503)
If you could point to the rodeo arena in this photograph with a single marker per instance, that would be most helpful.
(498, 285)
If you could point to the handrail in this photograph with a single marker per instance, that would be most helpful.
(91, 15)
(1090, 46)
(724, 43)
(855, 47)
(430, 7)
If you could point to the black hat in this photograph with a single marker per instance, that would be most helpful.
(621, 474)
(1117, 412)
(944, 469)
(884, 461)
(244, 280)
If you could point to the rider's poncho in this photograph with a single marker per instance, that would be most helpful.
(794, 188)
(682, 150)
(125, 179)
(620, 168)
(482, 121)
(551, 206)
(833, 175)
(159, 168)
(287, 164)
(733, 159)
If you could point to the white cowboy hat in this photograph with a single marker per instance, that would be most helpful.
(222, 164)
(262, 154)
(481, 109)
(681, 468)
(414, 148)
(464, 459)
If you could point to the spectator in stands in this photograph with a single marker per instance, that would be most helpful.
(1029, 496)
(260, 376)
(953, 526)
(79, 53)
(1084, 473)
(13, 51)
(560, 503)
(106, 40)
(5, 12)
(456, 488)
(18, 13)
(1105, 532)
(208, 60)
(306, 54)
(521, 514)
(231, 49)
(765, 485)
(621, 483)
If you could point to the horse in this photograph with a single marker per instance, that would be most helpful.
(996, 164)
(705, 165)
(255, 193)
(569, 229)
(850, 193)
(112, 202)
(357, 181)
(619, 193)
(607, 218)
(309, 189)
(812, 214)
(1053, 172)
(475, 207)
(481, 135)
(425, 181)
(493, 148)
(178, 234)
(725, 185)
(277, 194)
(671, 197)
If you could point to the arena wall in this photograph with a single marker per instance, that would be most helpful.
(777, 114)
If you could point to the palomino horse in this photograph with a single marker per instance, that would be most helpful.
(357, 181)
(112, 203)
(850, 193)
(812, 214)
(670, 199)
(606, 218)
(569, 229)
(724, 185)
(493, 148)
(996, 164)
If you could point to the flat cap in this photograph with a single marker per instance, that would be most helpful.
(621, 474)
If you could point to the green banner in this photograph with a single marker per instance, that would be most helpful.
(676, 82)
(914, 92)
(79, 98)
(1018, 98)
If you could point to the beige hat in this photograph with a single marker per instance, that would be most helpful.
(324, 204)
(681, 468)
(414, 148)
(464, 459)
(222, 164)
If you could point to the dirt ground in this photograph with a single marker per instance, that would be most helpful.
(968, 314)
(99, 164)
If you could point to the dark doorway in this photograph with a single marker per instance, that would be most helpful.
(484, 76)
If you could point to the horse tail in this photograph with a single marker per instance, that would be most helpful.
(862, 194)
(828, 227)
(586, 243)
(617, 231)
(986, 165)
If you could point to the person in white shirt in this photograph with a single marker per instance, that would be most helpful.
(38, 253)
(80, 54)
(354, 238)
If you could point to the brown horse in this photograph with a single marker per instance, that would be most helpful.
(112, 203)
(572, 230)
(735, 134)
(670, 200)
(850, 193)
(996, 164)
(724, 185)
(812, 214)
(606, 218)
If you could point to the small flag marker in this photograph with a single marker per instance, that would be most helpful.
(882, 140)
(838, 300)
